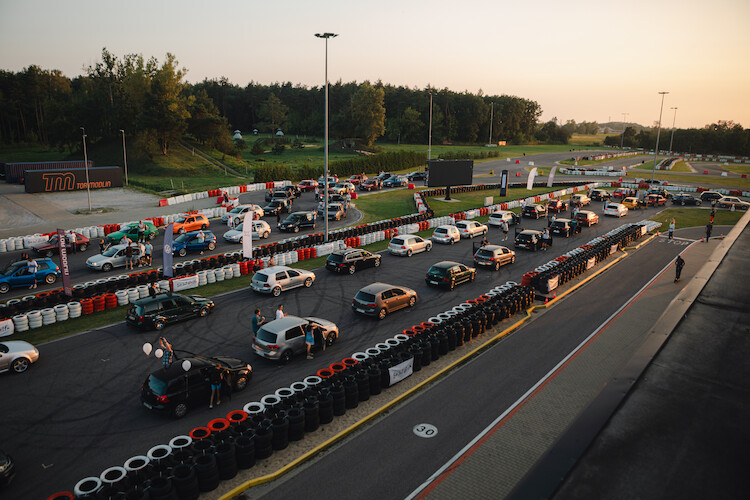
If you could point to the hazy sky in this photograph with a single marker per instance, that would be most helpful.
(580, 59)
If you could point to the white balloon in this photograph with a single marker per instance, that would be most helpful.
(186, 365)
(147, 348)
(158, 353)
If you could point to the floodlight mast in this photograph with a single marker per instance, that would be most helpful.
(326, 36)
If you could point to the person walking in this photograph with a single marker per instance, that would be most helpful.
(679, 263)
(32, 267)
(309, 340)
(149, 251)
(709, 227)
(168, 351)
(256, 321)
(102, 245)
(125, 240)
(671, 229)
(504, 227)
(280, 311)
(217, 375)
(153, 290)
(546, 239)
(278, 216)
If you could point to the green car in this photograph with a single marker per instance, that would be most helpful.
(131, 231)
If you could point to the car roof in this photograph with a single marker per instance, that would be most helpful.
(377, 287)
(586, 212)
(445, 264)
(159, 296)
(530, 231)
(563, 219)
(492, 247)
(205, 232)
(274, 269)
(347, 251)
(284, 323)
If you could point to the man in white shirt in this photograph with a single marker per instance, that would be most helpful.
(280, 312)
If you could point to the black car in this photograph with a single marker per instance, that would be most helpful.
(175, 391)
(167, 308)
(600, 195)
(277, 206)
(288, 192)
(298, 220)
(710, 195)
(351, 259)
(529, 239)
(417, 176)
(534, 211)
(7, 469)
(565, 227)
(685, 199)
(449, 274)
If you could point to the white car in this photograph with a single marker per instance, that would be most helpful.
(471, 228)
(261, 230)
(446, 234)
(17, 356)
(348, 186)
(113, 256)
(497, 218)
(579, 200)
(616, 209)
(276, 279)
(237, 214)
(408, 244)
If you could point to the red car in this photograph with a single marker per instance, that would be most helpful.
(357, 179)
(307, 185)
(655, 200)
(49, 248)
(369, 185)
(587, 218)
(557, 205)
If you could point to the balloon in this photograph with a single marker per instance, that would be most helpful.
(147, 348)
(158, 353)
(186, 365)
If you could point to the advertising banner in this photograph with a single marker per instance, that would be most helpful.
(553, 282)
(6, 327)
(167, 252)
(247, 235)
(590, 263)
(71, 179)
(530, 181)
(504, 183)
(401, 371)
(551, 177)
(64, 269)
(184, 283)
(612, 249)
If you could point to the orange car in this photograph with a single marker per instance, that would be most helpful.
(190, 222)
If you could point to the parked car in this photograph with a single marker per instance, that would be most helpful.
(16, 274)
(331, 178)
(7, 469)
(167, 308)
(710, 195)
(497, 218)
(732, 202)
(587, 218)
(685, 199)
(622, 193)
(557, 205)
(579, 200)
(633, 203)
(351, 260)
(494, 256)
(408, 244)
(446, 234)
(49, 248)
(382, 176)
(395, 181)
(174, 391)
(190, 222)
(417, 176)
(381, 299)
(277, 206)
(113, 256)
(600, 195)
(131, 231)
(16, 356)
(261, 230)
(565, 227)
(336, 211)
(276, 279)
(529, 239)
(449, 274)
(298, 220)
(237, 214)
(344, 187)
(534, 211)
(471, 228)
(659, 191)
(192, 242)
(307, 185)
(370, 185)
(279, 194)
(655, 200)
(357, 179)
(616, 209)
(282, 338)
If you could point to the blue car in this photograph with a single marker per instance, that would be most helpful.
(191, 242)
(395, 181)
(16, 274)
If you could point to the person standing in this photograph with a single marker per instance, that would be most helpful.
(679, 263)
(102, 245)
(709, 227)
(217, 375)
(149, 251)
(309, 340)
(256, 321)
(129, 256)
(32, 267)
(201, 238)
(280, 311)
(318, 336)
(72, 241)
(671, 229)
(504, 227)
(278, 216)
(141, 231)
(168, 355)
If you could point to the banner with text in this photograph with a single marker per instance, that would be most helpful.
(401, 371)
(167, 252)
(247, 235)
(530, 181)
(64, 268)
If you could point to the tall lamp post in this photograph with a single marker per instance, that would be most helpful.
(429, 134)
(658, 132)
(124, 156)
(624, 126)
(86, 165)
(325, 140)
(672, 137)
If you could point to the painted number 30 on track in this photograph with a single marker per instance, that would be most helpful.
(425, 430)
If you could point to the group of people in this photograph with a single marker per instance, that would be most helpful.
(141, 258)
(313, 335)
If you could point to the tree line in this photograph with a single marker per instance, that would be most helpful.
(723, 137)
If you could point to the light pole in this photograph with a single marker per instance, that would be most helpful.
(429, 134)
(672, 137)
(86, 165)
(492, 115)
(624, 126)
(124, 156)
(325, 140)
(658, 132)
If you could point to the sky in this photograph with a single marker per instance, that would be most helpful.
(584, 60)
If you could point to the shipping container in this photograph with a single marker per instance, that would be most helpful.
(71, 179)
(13, 171)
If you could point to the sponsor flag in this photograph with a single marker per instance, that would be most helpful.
(504, 183)
(167, 253)
(530, 182)
(247, 235)
(64, 269)
(551, 177)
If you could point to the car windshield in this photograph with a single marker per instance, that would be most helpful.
(397, 241)
(334, 257)
(261, 277)
(483, 252)
(180, 220)
(111, 251)
(236, 210)
(438, 271)
(365, 297)
(265, 336)
(292, 218)
(523, 237)
(274, 203)
(183, 238)
(11, 268)
(157, 386)
(441, 230)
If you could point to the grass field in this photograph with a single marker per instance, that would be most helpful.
(695, 217)
(588, 139)
(680, 166)
(737, 168)
(729, 182)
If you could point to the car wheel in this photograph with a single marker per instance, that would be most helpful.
(408, 253)
(682, 203)
(352, 269)
(20, 365)
(453, 241)
(382, 313)
(267, 234)
(181, 230)
(296, 229)
(512, 259)
(211, 245)
(497, 266)
(152, 236)
(107, 267)
(204, 226)
(429, 247)
(276, 291)
(286, 356)
(82, 247)
(377, 262)
(49, 253)
(50, 278)
(236, 221)
(452, 285)
(308, 282)
(203, 312)
(182, 252)
(4, 287)
(473, 276)
(412, 301)
(330, 340)
(240, 383)
(698, 202)
(159, 324)
(180, 410)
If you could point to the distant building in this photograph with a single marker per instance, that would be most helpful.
(237, 135)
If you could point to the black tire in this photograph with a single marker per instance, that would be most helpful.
(308, 282)
(151, 236)
(682, 203)
(82, 247)
(211, 245)
(382, 313)
(412, 301)
(20, 365)
(452, 241)
(698, 202)
(286, 356)
(181, 230)
(429, 247)
(203, 312)
(204, 226)
(497, 266)
(377, 262)
(352, 269)
(408, 252)
(240, 383)
(512, 259)
(159, 324)
(473, 276)
(330, 340)
(180, 410)
(50, 278)
(268, 233)
(276, 291)
(107, 267)
(296, 229)
(4, 287)
(182, 252)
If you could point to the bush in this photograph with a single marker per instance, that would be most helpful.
(277, 149)
(258, 148)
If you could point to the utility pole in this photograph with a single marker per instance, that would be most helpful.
(672, 138)
(658, 132)
(624, 126)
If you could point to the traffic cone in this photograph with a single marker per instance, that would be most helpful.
(703, 239)
(554, 295)
(546, 299)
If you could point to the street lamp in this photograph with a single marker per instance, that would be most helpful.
(429, 134)
(672, 137)
(124, 156)
(658, 132)
(325, 143)
(86, 165)
(624, 126)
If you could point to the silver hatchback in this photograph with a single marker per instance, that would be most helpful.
(276, 279)
(407, 244)
(282, 338)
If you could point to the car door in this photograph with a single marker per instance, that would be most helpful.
(199, 386)
(22, 277)
(420, 244)
(282, 280)
(295, 339)
(505, 256)
(461, 273)
(169, 310)
(399, 298)
(184, 308)
(295, 278)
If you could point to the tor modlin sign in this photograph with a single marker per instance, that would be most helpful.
(73, 179)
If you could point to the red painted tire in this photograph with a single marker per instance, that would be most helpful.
(349, 362)
(218, 424)
(337, 367)
(62, 495)
(200, 433)
(325, 373)
(237, 416)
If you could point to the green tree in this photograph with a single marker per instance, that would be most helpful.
(273, 112)
(412, 128)
(368, 113)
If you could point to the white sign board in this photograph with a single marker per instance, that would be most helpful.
(184, 283)
(401, 371)
(488, 200)
(6, 328)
